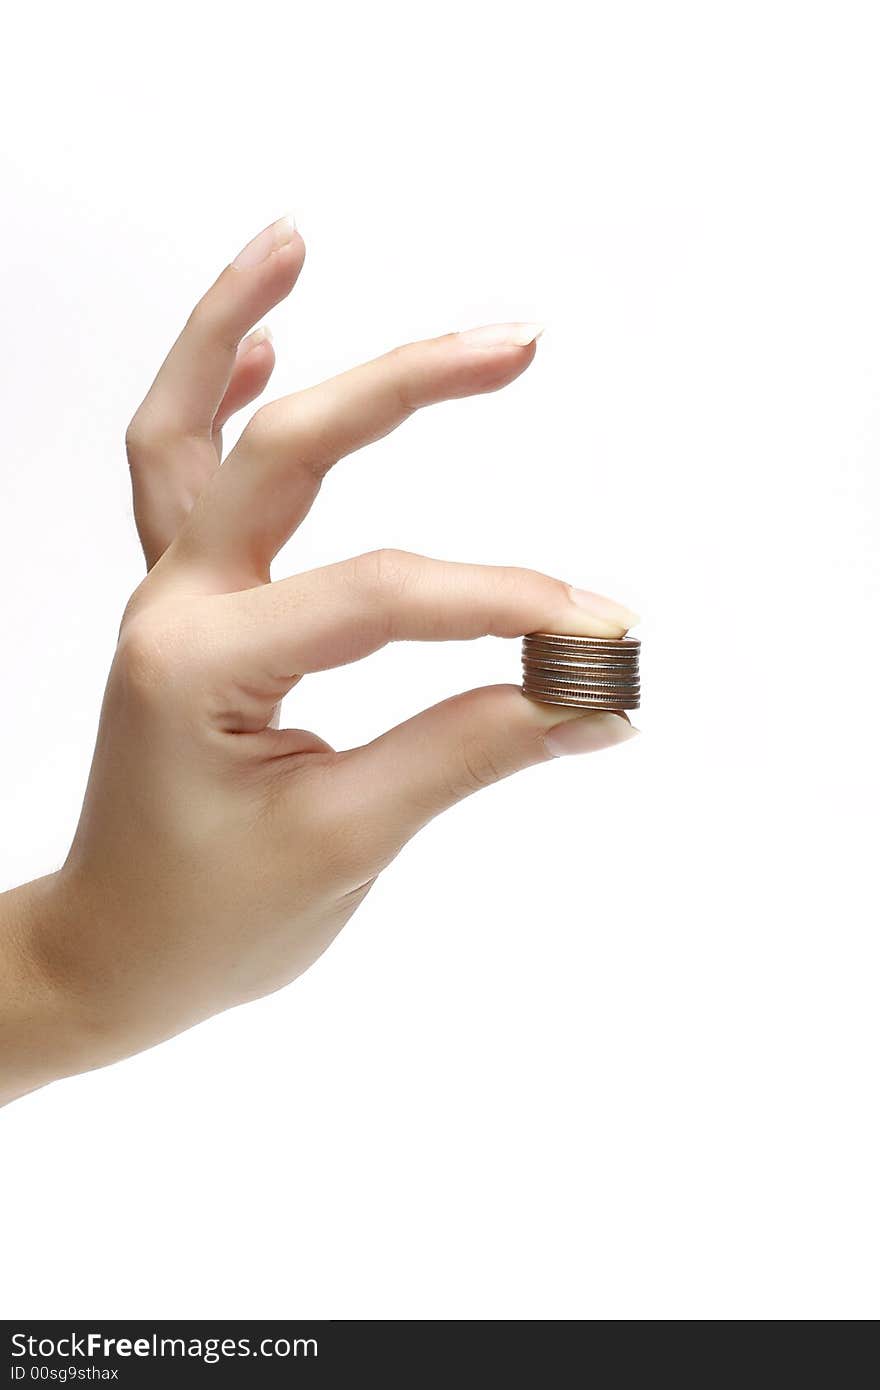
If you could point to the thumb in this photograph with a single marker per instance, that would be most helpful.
(414, 771)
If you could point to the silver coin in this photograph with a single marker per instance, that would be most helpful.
(585, 687)
(579, 658)
(591, 702)
(574, 678)
(535, 649)
(538, 679)
(584, 669)
(552, 639)
(578, 639)
(578, 663)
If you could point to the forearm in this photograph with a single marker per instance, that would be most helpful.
(43, 1035)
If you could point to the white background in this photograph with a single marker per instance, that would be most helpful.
(603, 1042)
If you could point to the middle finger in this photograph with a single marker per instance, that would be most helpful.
(270, 479)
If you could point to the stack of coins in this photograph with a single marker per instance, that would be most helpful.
(593, 672)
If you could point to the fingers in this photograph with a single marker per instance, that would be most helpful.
(193, 378)
(169, 440)
(254, 363)
(330, 616)
(272, 476)
(403, 779)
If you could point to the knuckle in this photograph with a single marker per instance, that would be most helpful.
(148, 652)
(400, 362)
(479, 768)
(399, 355)
(146, 437)
(386, 572)
(517, 586)
(519, 579)
(297, 426)
(137, 439)
(561, 590)
(262, 430)
(209, 320)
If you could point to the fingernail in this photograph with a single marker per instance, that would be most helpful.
(259, 335)
(502, 335)
(588, 734)
(265, 242)
(605, 609)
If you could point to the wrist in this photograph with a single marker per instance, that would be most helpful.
(44, 1025)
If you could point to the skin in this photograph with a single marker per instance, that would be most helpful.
(217, 854)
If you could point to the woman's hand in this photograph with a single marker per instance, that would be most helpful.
(218, 855)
